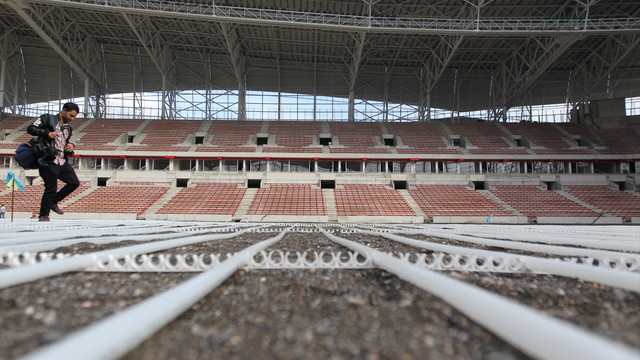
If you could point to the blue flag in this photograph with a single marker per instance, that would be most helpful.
(12, 181)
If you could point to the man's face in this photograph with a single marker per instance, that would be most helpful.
(68, 115)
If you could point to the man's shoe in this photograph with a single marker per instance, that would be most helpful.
(56, 209)
(44, 218)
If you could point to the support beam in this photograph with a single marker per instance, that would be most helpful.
(315, 76)
(354, 69)
(424, 100)
(9, 47)
(238, 65)
(161, 56)
(167, 62)
(3, 77)
(95, 93)
(497, 95)
(209, 89)
(274, 37)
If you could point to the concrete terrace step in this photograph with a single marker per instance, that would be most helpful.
(163, 200)
(249, 195)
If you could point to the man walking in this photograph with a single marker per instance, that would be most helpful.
(56, 131)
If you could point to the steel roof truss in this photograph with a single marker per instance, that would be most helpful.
(541, 57)
(50, 35)
(604, 59)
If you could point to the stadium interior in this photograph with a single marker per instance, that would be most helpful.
(233, 159)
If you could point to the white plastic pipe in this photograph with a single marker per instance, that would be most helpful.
(537, 334)
(19, 275)
(84, 234)
(508, 243)
(618, 242)
(549, 234)
(139, 235)
(114, 336)
(625, 280)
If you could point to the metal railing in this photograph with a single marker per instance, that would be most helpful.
(357, 22)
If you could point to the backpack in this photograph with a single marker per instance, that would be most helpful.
(37, 150)
(26, 157)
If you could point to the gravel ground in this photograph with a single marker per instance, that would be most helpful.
(305, 314)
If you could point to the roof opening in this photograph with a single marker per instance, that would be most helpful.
(327, 184)
(400, 184)
(582, 142)
(553, 185)
(389, 139)
(199, 139)
(254, 183)
(457, 140)
(102, 181)
(623, 185)
(480, 185)
(521, 141)
(182, 183)
(262, 140)
(325, 140)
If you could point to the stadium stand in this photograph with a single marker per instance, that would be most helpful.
(485, 138)
(293, 137)
(342, 172)
(230, 136)
(625, 204)
(581, 135)
(620, 141)
(534, 202)
(14, 131)
(288, 199)
(205, 199)
(119, 198)
(168, 135)
(370, 200)
(27, 202)
(543, 140)
(104, 135)
(456, 200)
(357, 138)
(428, 138)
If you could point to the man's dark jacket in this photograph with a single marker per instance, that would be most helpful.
(41, 128)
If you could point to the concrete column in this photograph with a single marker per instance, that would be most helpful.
(3, 76)
(86, 98)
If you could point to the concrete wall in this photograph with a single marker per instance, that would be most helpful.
(609, 113)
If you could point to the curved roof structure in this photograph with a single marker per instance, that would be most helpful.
(460, 55)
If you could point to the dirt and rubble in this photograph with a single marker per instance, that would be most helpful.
(304, 314)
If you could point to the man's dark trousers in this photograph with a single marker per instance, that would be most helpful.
(50, 176)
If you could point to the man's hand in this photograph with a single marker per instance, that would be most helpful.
(69, 147)
(53, 135)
